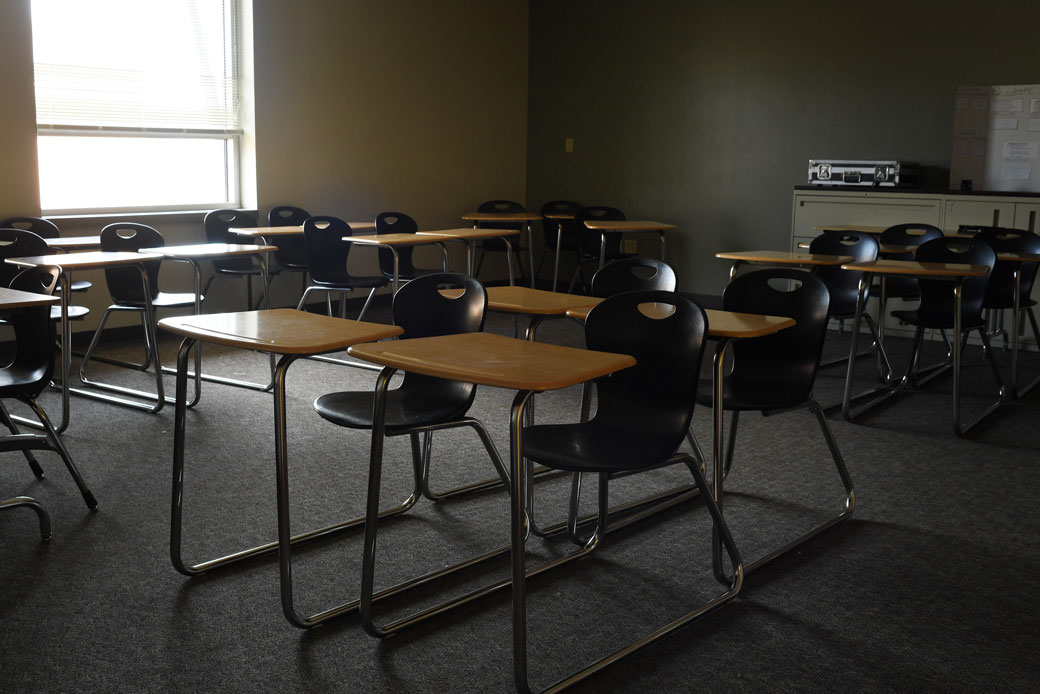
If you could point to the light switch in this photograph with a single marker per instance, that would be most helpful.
(568, 144)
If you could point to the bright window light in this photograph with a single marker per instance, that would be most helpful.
(136, 103)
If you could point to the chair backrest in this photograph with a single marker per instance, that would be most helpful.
(41, 279)
(550, 226)
(216, 225)
(422, 311)
(124, 282)
(33, 364)
(327, 252)
(843, 285)
(909, 235)
(292, 251)
(653, 399)
(18, 243)
(396, 223)
(937, 301)
(784, 362)
(500, 206)
(286, 216)
(37, 225)
(1001, 290)
(589, 240)
(631, 275)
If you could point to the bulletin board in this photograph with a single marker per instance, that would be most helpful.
(996, 138)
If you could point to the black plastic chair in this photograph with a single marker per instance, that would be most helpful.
(25, 377)
(1000, 293)
(496, 245)
(423, 404)
(937, 310)
(399, 223)
(19, 243)
(589, 240)
(44, 228)
(843, 285)
(327, 255)
(126, 290)
(776, 373)
(292, 250)
(643, 414)
(558, 230)
(903, 235)
(633, 274)
(216, 224)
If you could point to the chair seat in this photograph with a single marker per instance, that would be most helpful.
(898, 288)
(75, 312)
(1007, 300)
(353, 409)
(352, 282)
(589, 446)
(928, 320)
(163, 300)
(752, 394)
(14, 381)
(78, 286)
(271, 271)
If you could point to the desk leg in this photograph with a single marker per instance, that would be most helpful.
(509, 260)
(602, 249)
(518, 540)
(530, 253)
(718, 375)
(556, 259)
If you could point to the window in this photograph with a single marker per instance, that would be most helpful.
(137, 104)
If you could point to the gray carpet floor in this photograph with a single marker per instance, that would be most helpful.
(931, 586)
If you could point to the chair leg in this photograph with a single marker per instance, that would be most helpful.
(849, 503)
(93, 343)
(303, 299)
(731, 442)
(520, 573)
(991, 358)
(59, 447)
(34, 465)
(36, 506)
(489, 447)
(368, 301)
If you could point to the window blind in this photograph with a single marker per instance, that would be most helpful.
(138, 65)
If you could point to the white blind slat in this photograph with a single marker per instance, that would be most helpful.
(93, 66)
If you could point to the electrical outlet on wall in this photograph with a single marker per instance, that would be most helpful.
(629, 246)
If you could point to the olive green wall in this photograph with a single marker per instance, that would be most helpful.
(705, 114)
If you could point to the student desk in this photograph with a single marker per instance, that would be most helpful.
(74, 243)
(288, 334)
(630, 225)
(810, 260)
(193, 254)
(887, 268)
(265, 233)
(868, 229)
(469, 235)
(89, 260)
(525, 218)
(489, 360)
(13, 300)
(393, 241)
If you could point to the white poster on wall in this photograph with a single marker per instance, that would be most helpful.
(996, 138)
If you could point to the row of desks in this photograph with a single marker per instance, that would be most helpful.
(882, 267)
(525, 366)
